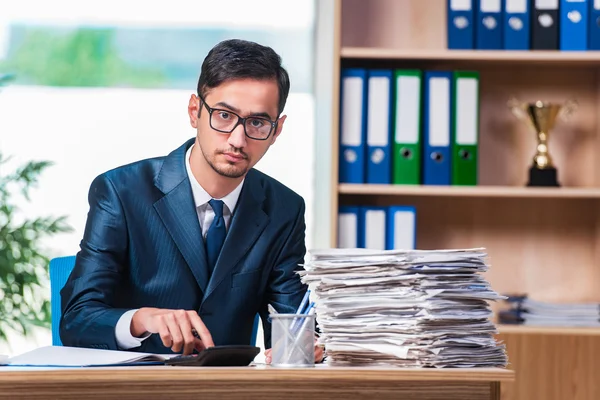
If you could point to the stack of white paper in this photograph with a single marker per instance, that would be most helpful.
(411, 308)
(531, 312)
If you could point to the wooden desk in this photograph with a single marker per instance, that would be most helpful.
(261, 382)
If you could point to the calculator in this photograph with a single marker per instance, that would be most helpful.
(217, 356)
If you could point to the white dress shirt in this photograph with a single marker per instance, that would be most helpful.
(125, 340)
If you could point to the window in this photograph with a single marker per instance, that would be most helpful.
(100, 86)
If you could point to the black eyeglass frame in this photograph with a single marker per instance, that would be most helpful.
(240, 120)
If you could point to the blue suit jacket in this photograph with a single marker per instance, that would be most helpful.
(142, 247)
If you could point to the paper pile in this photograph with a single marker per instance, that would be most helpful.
(531, 312)
(404, 308)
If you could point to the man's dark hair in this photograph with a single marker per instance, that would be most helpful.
(240, 59)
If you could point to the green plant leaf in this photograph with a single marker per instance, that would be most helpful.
(24, 280)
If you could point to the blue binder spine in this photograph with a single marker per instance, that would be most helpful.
(573, 25)
(401, 228)
(517, 26)
(489, 25)
(594, 25)
(460, 26)
(437, 122)
(379, 127)
(353, 120)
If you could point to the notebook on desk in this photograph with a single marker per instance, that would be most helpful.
(64, 356)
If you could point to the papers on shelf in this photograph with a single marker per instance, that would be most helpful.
(413, 308)
(526, 311)
(63, 356)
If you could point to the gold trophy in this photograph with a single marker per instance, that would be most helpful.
(542, 116)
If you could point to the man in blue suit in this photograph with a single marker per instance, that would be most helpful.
(197, 240)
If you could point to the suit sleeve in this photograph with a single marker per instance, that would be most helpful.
(285, 290)
(88, 317)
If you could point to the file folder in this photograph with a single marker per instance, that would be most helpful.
(517, 27)
(465, 132)
(436, 127)
(348, 227)
(460, 26)
(353, 119)
(488, 31)
(372, 235)
(594, 25)
(544, 29)
(406, 157)
(401, 228)
(573, 32)
(379, 127)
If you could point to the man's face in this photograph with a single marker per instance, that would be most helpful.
(233, 154)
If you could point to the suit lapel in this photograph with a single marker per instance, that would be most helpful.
(178, 213)
(248, 222)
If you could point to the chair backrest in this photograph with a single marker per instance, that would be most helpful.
(60, 269)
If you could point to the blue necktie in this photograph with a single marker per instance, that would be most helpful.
(215, 237)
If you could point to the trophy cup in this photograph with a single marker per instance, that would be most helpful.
(542, 116)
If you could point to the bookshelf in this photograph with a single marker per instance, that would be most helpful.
(541, 241)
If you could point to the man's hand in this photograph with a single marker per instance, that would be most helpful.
(175, 328)
(319, 353)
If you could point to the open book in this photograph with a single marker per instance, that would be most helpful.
(63, 356)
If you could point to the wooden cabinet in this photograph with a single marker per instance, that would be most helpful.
(542, 241)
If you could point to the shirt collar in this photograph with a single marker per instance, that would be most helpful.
(201, 197)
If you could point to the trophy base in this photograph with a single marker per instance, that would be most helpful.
(542, 177)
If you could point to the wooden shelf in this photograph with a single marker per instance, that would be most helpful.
(542, 241)
(470, 191)
(542, 330)
(477, 56)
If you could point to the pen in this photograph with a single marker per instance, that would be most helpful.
(305, 312)
(303, 302)
(300, 308)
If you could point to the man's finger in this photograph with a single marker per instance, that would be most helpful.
(201, 329)
(318, 354)
(165, 336)
(198, 345)
(186, 330)
(175, 332)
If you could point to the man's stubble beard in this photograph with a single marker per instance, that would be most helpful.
(231, 172)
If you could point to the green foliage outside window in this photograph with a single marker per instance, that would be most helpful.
(83, 57)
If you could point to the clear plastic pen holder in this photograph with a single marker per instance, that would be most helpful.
(293, 340)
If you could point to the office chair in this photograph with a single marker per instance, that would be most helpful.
(60, 269)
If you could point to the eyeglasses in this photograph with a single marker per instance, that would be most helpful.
(226, 121)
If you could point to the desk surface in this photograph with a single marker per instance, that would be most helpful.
(256, 373)
(260, 381)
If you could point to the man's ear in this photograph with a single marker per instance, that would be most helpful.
(280, 122)
(193, 108)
